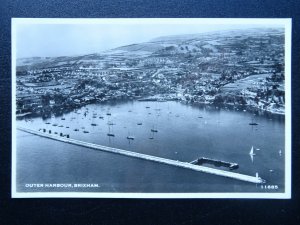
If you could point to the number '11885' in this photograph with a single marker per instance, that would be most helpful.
(269, 187)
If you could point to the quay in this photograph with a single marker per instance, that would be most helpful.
(204, 160)
(242, 177)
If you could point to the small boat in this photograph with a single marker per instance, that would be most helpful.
(94, 124)
(101, 117)
(85, 131)
(251, 151)
(48, 123)
(130, 137)
(147, 107)
(55, 125)
(139, 124)
(109, 114)
(252, 154)
(253, 123)
(63, 118)
(154, 130)
(76, 129)
(60, 126)
(280, 152)
(110, 135)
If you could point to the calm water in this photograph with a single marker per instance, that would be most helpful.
(184, 133)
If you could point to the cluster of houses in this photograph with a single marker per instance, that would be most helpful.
(197, 74)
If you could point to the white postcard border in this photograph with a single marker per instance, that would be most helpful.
(286, 22)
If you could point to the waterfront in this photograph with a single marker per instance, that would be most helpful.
(184, 133)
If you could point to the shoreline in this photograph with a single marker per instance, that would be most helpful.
(62, 111)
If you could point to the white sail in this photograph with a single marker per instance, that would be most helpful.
(252, 154)
(252, 151)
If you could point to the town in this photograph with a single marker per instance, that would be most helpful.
(239, 67)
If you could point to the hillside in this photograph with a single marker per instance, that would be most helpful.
(238, 67)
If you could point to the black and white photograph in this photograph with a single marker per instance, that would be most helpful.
(151, 108)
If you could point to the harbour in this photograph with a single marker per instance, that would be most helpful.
(173, 142)
(192, 166)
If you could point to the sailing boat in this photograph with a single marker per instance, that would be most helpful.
(154, 130)
(253, 123)
(251, 151)
(151, 135)
(110, 133)
(252, 154)
(93, 122)
(129, 137)
(108, 113)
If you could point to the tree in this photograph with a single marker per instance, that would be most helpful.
(219, 99)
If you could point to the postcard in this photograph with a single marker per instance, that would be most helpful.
(151, 108)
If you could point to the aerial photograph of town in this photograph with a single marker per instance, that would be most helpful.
(147, 108)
